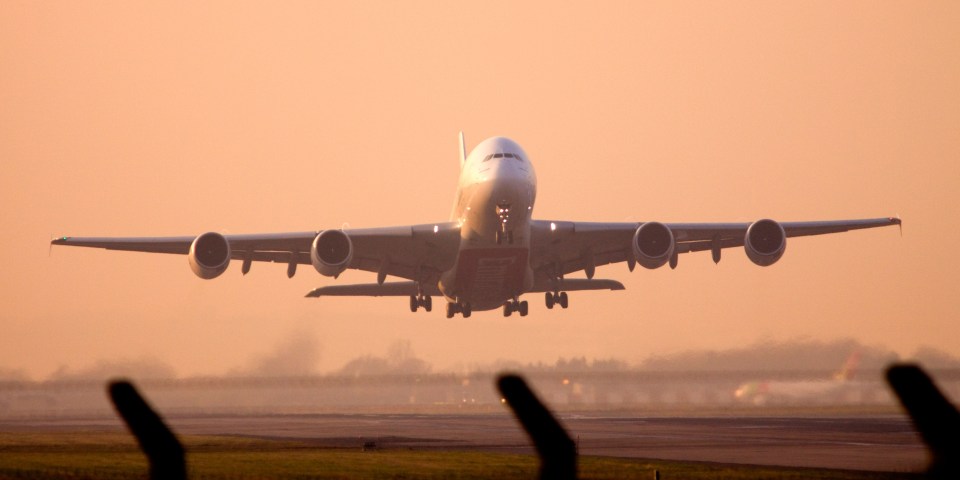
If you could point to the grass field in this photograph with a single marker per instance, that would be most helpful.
(97, 455)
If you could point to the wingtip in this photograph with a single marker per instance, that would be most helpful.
(898, 222)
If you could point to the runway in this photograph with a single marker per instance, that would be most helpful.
(870, 442)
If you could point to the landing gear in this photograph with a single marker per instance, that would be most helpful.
(515, 306)
(417, 301)
(461, 308)
(554, 298)
(503, 216)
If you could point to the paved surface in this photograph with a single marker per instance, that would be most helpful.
(883, 443)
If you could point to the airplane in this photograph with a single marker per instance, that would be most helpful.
(490, 252)
(838, 388)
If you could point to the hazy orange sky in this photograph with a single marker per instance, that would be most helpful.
(176, 118)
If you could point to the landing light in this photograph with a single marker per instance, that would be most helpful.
(553, 227)
(436, 228)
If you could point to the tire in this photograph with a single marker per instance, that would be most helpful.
(549, 300)
(507, 309)
(414, 304)
(564, 302)
(523, 308)
(428, 303)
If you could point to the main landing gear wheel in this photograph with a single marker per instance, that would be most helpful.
(553, 298)
(515, 306)
(424, 301)
(455, 308)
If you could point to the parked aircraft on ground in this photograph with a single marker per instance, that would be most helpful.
(490, 252)
(842, 387)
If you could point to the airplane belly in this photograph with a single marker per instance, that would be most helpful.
(488, 277)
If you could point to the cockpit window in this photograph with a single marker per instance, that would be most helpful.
(502, 155)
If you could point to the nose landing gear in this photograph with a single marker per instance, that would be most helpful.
(503, 216)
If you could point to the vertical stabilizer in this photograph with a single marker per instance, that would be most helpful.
(849, 369)
(463, 150)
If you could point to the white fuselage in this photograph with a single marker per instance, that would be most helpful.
(495, 198)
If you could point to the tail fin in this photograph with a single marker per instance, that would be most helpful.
(850, 368)
(463, 150)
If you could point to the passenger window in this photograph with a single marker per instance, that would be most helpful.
(498, 155)
(488, 157)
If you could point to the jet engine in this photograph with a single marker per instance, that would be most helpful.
(331, 252)
(765, 242)
(209, 255)
(653, 244)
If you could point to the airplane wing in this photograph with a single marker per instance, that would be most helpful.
(561, 247)
(414, 252)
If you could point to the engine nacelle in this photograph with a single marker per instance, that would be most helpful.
(765, 242)
(331, 252)
(653, 244)
(209, 255)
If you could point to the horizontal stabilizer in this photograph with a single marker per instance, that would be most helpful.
(389, 289)
(576, 284)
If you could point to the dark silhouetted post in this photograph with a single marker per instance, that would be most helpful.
(159, 444)
(933, 415)
(558, 454)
